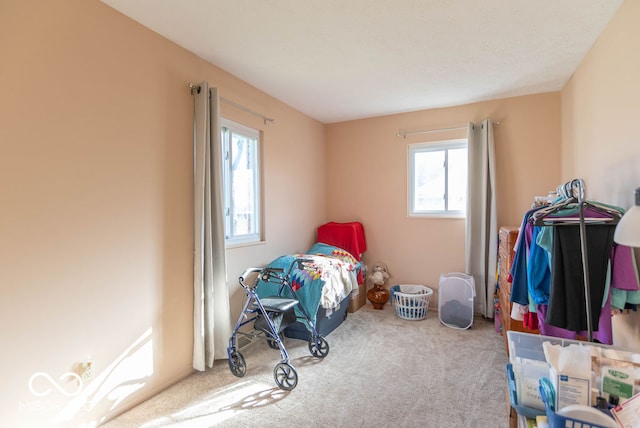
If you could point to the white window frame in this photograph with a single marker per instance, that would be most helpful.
(442, 146)
(227, 179)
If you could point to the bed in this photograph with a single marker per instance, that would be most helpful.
(322, 287)
(325, 296)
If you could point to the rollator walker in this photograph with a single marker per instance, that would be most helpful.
(270, 315)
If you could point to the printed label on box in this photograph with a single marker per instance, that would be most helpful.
(572, 390)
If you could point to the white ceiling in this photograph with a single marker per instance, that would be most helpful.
(338, 60)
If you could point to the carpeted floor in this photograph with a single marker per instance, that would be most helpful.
(380, 371)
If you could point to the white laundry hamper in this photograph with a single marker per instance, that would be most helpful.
(411, 300)
(456, 293)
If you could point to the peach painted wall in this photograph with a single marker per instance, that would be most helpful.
(96, 155)
(95, 190)
(600, 142)
(367, 179)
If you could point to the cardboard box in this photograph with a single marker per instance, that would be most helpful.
(358, 300)
(570, 390)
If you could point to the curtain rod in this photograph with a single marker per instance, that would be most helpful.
(404, 134)
(266, 119)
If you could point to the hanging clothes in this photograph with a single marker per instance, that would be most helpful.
(519, 284)
(547, 273)
(625, 286)
(538, 269)
(603, 333)
(567, 296)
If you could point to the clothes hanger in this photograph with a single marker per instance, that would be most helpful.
(573, 194)
(568, 217)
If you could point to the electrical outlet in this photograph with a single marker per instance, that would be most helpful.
(86, 370)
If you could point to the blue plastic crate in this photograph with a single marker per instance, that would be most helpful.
(558, 421)
(528, 412)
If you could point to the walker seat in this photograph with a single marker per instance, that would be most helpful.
(281, 313)
(277, 303)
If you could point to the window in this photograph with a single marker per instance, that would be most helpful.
(241, 182)
(438, 179)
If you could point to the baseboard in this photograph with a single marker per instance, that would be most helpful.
(150, 393)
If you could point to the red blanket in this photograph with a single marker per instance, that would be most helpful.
(348, 236)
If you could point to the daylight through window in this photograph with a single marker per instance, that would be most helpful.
(438, 179)
(241, 177)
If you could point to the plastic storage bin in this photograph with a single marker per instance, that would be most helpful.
(529, 346)
(411, 300)
(455, 300)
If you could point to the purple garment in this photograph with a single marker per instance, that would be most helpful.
(623, 275)
(604, 333)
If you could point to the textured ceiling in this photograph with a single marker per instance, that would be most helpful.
(338, 60)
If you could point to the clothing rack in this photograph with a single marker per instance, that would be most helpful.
(585, 258)
(574, 192)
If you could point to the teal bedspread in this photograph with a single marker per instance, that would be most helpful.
(328, 277)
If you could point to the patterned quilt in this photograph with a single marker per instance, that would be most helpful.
(325, 280)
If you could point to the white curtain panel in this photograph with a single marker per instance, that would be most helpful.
(211, 313)
(482, 224)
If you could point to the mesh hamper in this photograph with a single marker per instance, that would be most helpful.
(411, 301)
(456, 293)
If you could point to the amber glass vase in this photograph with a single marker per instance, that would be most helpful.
(378, 296)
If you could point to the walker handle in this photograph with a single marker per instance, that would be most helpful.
(248, 272)
(271, 272)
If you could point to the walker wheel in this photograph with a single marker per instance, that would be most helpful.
(237, 365)
(286, 376)
(319, 350)
(273, 343)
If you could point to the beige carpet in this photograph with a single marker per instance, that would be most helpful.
(380, 371)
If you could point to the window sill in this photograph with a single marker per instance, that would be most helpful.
(438, 216)
(237, 245)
